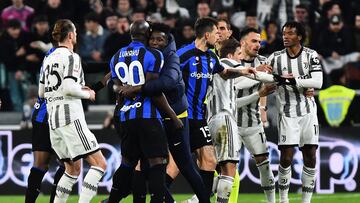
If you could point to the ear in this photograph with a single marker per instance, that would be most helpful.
(229, 55)
(300, 37)
(206, 35)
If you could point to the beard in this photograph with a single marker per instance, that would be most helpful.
(210, 46)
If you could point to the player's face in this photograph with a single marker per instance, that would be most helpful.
(251, 44)
(212, 37)
(224, 32)
(73, 36)
(357, 21)
(237, 55)
(290, 37)
(158, 40)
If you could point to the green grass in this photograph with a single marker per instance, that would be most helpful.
(243, 198)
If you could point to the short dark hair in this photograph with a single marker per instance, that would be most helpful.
(251, 13)
(92, 16)
(248, 30)
(160, 27)
(228, 25)
(13, 23)
(203, 25)
(303, 6)
(62, 28)
(228, 46)
(300, 30)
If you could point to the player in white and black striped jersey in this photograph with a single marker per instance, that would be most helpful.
(296, 68)
(249, 94)
(62, 85)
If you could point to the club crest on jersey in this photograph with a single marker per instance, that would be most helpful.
(306, 65)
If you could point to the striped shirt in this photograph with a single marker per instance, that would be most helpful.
(249, 115)
(130, 65)
(59, 65)
(197, 68)
(221, 93)
(291, 100)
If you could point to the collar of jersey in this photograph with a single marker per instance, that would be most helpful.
(137, 43)
(294, 57)
(198, 50)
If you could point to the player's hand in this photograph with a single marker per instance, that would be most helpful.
(20, 52)
(285, 79)
(310, 92)
(267, 89)
(130, 91)
(264, 68)
(92, 95)
(85, 88)
(178, 123)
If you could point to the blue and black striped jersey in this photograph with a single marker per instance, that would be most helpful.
(197, 68)
(39, 112)
(130, 65)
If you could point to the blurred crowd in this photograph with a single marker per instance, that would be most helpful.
(333, 30)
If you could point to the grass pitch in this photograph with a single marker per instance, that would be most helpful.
(243, 198)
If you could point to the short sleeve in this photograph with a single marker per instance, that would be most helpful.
(156, 63)
(72, 67)
(218, 68)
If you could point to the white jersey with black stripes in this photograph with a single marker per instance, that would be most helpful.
(62, 64)
(291, 100)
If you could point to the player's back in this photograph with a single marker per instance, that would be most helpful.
(131, 65)
(59, 65)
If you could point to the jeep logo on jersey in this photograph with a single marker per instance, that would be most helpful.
(201, 75)
(127, 108)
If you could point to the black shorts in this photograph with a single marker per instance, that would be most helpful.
(143, 139)
(40, 137)
(199, 134)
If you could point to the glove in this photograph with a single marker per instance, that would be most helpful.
(284, 81)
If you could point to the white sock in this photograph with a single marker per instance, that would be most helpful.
(267, 180)
(284, 183)
(90, 184)
(224, 188)
(64, 187)
(308, 183)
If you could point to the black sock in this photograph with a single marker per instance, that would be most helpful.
(157, 183)
(34, 184)
(208, 178)
(168, 196)
(139, 187)
(60, 171)
(121, 181)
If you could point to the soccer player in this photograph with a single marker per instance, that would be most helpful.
(198, 65)
(251, 102)
(63, 88)
(297, 68)
(42, 151)
(171, 83)
(133, 65)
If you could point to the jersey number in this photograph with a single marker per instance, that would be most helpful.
(131, 75)
(50, 71)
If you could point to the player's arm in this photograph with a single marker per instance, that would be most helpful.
(263, 92)
(102, 83)
(41, 90)
(263, 109)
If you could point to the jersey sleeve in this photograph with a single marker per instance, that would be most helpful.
(156, 63)
(112, 68)
(72, 67)
(42, 75)
(315, 65)
(218, 68)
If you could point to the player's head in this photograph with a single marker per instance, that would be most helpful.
(230, 48)
(159, 35)
(206, 28)
(224, 28)
(64, 31)
(293, 34)
(140, 30)
(250, 41)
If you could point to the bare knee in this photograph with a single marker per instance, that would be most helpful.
(172, 170)
(261, 158)
(73, 168)
(97, 159)
(228, 168)
(206, 157)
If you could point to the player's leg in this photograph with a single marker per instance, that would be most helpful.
(254, 140)
(308, 146)
(171, 173)
(179, 146)
(201, 143)
(59, 172)
(67, 181)
(41, 147)
(153, 144)
(224, 132)
(139, 185)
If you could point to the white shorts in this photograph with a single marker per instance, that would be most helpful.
(254, 139)
(298, 130)
(73, 141)
(223, 130)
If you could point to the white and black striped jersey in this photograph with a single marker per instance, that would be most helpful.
(249, 115)
(291, 100)
(59, 65)
(221, 93)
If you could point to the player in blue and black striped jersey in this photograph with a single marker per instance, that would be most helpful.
(144, 136)
(42, 151)
(198, 64)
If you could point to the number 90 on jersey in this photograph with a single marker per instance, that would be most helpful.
(132, 74)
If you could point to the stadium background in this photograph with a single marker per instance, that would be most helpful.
(339, 147)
